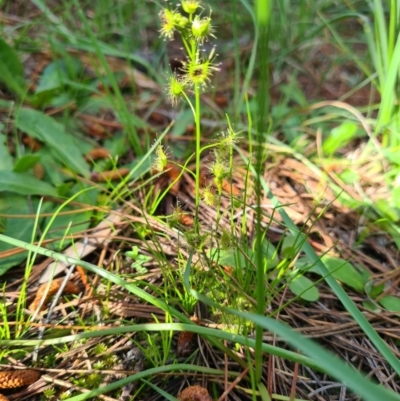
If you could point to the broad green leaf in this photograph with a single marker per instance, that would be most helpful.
(50, 164)
(53, 76)
(6, 160)
(25, 163)
(21, 228)
(24, 184)
(231, 258)
(304, 288)
(371, 306)
(370, 288)
(52, 133)
(374, 290)
(340, 136)
(391, 303)
(44, 98)
(11, 69)
(63, 99)
(53, 84)
(304, 265)
(8, 105)
(387, 211)
(236, 258)
(344, 272)
(291, 245)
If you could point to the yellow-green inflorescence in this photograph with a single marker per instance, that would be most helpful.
(194, 31)
(190, 6)
(161, 159)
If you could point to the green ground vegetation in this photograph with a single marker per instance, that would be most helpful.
(219, 179)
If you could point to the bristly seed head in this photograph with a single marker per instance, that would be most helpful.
(209, 196)
(167, 23)
(181, 21)
(170, 21)
(226, 141)
(190, 6)
(198, 71)
(175, 88)
(220, 171)
(161, 160)
(201, 28)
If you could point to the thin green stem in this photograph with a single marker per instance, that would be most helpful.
(218, 218)
(186, 45)
(263, 9)
(198, 152)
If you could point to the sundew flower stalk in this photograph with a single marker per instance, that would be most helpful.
(194, 29)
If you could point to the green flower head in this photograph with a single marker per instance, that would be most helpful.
(209, 196)
(168, 27)
(190, 6)
(170, 21)
(175, 88)
(201, 28)
(161, 159)
(198, 71)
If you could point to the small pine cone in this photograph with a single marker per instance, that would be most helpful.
(18, 378)
(194, 393)
(184, 343)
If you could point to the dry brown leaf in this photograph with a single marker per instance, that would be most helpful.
(32, 143)
(173, 172)
(45, 292)
(98, 153)
(229, 187)
(38, 171)
(94, 129)
(112, 175)
(186, 219)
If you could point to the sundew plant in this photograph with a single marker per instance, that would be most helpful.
(192, 24)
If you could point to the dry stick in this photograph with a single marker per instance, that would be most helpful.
(294, 382)
(225, 373)
(271, 372)
(233, 384)
(53, 305)
(96, 279)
